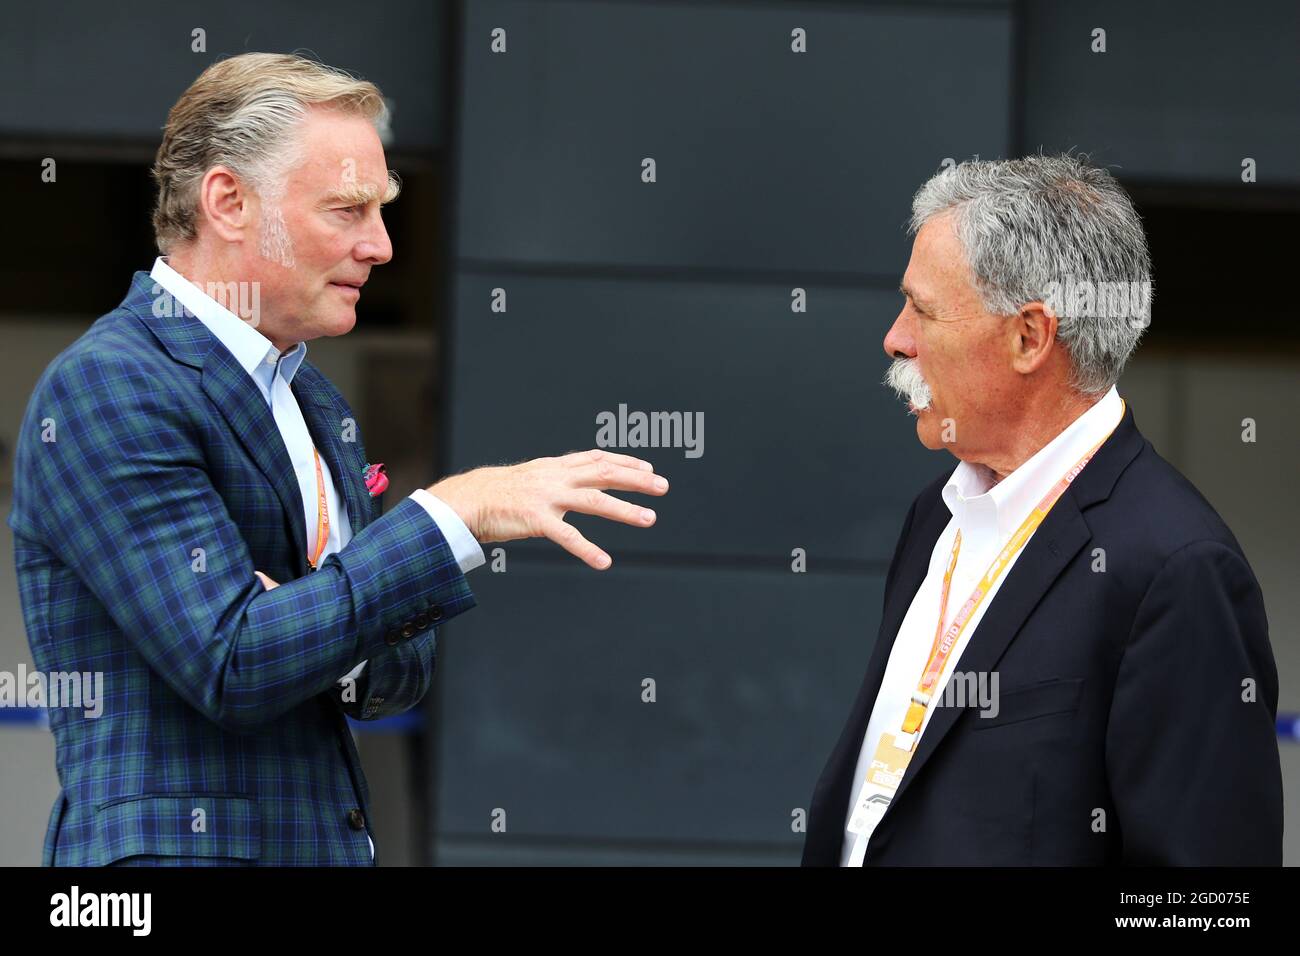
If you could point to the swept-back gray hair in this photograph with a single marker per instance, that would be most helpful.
(243, 113)
(1058, 230)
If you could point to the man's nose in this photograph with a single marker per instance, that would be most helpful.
(898, 340)
(376, 247)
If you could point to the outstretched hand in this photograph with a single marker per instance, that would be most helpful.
(530, 499)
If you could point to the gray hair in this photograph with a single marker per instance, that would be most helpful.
(243, 113)
(1057, 230)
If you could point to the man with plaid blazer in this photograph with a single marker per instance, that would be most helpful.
(182, 457)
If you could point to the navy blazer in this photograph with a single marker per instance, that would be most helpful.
(150, 483)
(1127, 733)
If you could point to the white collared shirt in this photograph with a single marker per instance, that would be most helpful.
(273, 374)
(987, 515)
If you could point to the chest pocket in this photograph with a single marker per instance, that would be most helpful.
(1030, 702)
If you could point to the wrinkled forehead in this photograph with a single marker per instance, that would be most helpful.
(343, 159)
(938, 266)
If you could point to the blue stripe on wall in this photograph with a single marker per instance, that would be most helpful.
(406, 723)
(1288, 725)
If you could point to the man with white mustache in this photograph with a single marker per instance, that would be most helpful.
(1062, 563)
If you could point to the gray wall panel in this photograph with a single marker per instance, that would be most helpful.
(767, 159)
(540, 709)
(1182, 92)
(140, 59)
(775, 170)
(803, 447)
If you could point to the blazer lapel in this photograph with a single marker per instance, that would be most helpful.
(240, 402)
(1058, 540)
(1054, 545)
(911, 572)
(836, 789)
(228, 387)
(324, 415)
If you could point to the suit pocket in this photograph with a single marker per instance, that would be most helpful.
(179, 825)
(1015, 705)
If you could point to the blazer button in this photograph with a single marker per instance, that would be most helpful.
(356, 819)
(408, 629)
(392, 637)
(435, 613)
(422, 621)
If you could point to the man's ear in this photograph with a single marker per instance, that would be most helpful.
(225, 204)
(1033, 336)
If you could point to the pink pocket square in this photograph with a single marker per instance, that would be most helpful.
(376, 480)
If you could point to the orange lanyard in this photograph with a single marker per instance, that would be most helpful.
(322, 515)
(945, 641)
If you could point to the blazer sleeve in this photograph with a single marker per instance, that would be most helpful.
(128, 503)
(393, 682)
(1191, 754)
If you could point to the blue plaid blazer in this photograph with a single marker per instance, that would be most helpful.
(149, 482)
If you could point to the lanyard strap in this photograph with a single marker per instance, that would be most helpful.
(322, 515)
(945, 641)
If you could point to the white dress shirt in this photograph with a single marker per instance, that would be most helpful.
(273, 373)
(987, 515)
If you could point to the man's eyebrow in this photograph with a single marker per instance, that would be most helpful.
(911, 295)
(354, 195)
(360, 194)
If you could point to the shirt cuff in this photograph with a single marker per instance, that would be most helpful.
(468, 553)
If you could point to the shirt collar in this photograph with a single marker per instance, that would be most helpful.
(991, 513)
(251, 349)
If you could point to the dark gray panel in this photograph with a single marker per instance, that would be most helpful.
(802, 447)
(767, 159)
(1179, 94)
(540, 709)
(485, 851)
(90, 69)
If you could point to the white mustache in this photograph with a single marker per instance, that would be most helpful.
(904, 377)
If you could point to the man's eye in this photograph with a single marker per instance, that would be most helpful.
(350, 210)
